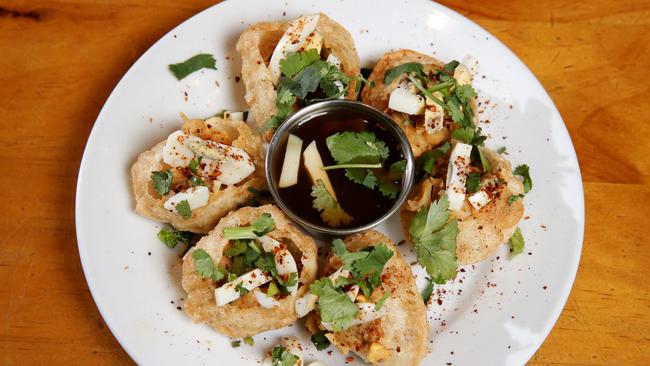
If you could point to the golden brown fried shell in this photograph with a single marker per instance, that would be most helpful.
(401, 336)
(378, 97)
(480, 233)
(255, 46)
(244, 316)
(150, 204)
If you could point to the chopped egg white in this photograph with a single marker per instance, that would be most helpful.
(353, 292)
(402, 100)
(457, 171)
(471, 63)
(265, 300)
(434, 116)
(234, 116)
(292, 40)
(228, 292)
(479, 199)
(232, 163)
(367, 313)
(196, 197)
(307, 303)
(332, 59)
(284, 261)
(462, 75)
(313, 42)
(176, 152)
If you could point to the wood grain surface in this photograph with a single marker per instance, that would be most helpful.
(60, 59)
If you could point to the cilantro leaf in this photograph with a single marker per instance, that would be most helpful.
(319, 340)
(450, 67)
(469, 136)
(409, 67)
(291, 280)
(330, 210)
(238, 247)
(428, 291)
(281, 357)
(465, 93)
(456, 113)
(194, 164)
(502, 150)
(366, 265)
(464, 134)
(295, 62)
(334, 83)
(440, 264)
(517, 243)
(162, 181)
(335, 306)
(196, 181)
(514, 197)
(249, 341)
(266, 263)
(348, 258)
(183, 209)
(358, 147)
(427, 161)
(370, 180)
(302, 75)
(389, 188)
(397, 168)
(272, 290)
(374, 261)
(524, 171)
(238, 265)
(204, 266)
(362, 176)
(364, 148)
(171, 237)
(485, 163)
(192, 64)
(309, 78)
(434, 239)
(242, 290)
(261, 226)
(473, 182)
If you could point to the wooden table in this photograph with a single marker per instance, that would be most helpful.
(60, 59)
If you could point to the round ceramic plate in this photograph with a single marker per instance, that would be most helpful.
(497, 312)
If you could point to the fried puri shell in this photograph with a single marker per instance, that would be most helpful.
(378, 97)
(403, 331)
(480, 233)
(244, 316)
(150, 204)
(255, 46)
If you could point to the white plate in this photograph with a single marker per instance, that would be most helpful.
(497, 312)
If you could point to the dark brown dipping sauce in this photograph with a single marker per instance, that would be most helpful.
(365, 205)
